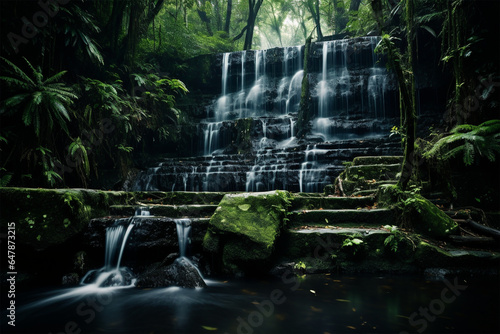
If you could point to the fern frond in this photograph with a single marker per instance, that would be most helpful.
(20, 73)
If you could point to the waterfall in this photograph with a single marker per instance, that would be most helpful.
(112, 274)
(183, 229)
(312, 176)
(352, 98)
(183, 263)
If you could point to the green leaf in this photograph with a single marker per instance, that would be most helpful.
(208, 328)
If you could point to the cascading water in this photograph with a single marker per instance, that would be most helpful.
(247, 141)
(183, 266)
(112, 274)
(183, 230)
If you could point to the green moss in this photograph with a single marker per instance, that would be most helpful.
(46, 217)
(428, 218)
(248, 225)
(211, 242)
(428, 256)
(417, 212)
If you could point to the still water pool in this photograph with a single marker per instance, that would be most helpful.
(325, 303)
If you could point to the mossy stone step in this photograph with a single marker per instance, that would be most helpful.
(178, 197)
(313, 241)
(362, 217)
(173, 211)
(301, 202)
(373, 172)
(377, 160)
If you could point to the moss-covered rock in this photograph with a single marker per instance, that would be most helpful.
(417, 212)
(429, 219)
(46, 217)
(244, 229)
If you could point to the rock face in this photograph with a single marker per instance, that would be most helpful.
(244, 229)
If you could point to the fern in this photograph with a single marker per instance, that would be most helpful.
(469, 141)
(41, 102)
(77, 149)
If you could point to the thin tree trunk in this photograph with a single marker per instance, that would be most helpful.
(228, 15)
(406, 88)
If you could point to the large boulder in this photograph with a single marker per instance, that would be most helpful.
(243, 230)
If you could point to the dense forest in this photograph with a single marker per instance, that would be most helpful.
(84, 82)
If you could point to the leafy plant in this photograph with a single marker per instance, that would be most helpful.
(300, 266)
(392, 240)
(5, 179)
(355, 244)
(42, 102)
(469, 141)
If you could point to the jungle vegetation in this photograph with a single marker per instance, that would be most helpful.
(83, 82)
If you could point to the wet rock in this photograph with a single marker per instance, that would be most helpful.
(180, 272)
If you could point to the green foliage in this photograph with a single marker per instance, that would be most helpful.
(42, 102)
(79, 152)
(354, 244)
(392, 241)
(5, 178)
(361, 22)
(299, 266)
(469, 141)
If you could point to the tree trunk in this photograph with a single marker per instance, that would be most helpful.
(406, 87)
(228, 15)
(114, 24)
(253, 10)
(304, 117)
(314, 9)
(204, 18)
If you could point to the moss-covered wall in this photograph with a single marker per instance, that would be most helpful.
(45, 217)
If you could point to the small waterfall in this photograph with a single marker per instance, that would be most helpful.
(183, 265)
(324, 90)
(312, 176)
(112, 274)
(183, 231)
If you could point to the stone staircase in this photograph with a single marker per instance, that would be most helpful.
(319, 225)
(366, 174)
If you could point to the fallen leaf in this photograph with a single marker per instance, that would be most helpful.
(343, 300)
(248, 292)
(312, 291)
(351, 327)
(208, 328)
(315, 309)
(354, 309)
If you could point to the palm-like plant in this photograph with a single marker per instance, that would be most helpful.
(469, 140)
(43, 102)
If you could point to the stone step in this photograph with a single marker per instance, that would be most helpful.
(361, 217)
(304, 201)
(372, 172)
(319, 242)
(172, 211)
(177, 198)
(377, 160)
